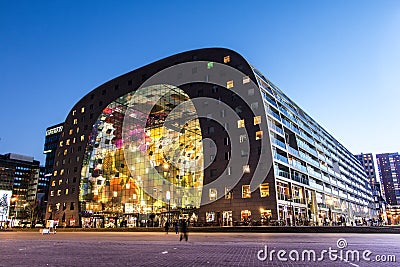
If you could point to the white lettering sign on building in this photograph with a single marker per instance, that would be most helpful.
(5, 197)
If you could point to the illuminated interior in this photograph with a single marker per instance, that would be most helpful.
(129, 166)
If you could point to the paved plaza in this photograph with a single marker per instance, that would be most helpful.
(202, 249)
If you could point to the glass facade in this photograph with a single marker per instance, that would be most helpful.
(131, 163)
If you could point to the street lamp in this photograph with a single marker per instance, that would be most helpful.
(168, 197)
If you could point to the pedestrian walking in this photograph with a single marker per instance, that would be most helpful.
(184, 230)
(176, 225)
(166, 226)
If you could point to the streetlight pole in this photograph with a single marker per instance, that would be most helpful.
(168, 197)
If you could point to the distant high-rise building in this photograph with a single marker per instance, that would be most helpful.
(20, 174)
(367, 161)
(53, 134)
(389, 172)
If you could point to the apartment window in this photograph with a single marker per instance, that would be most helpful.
(58, 192)
(58, 206)
(246, 169)
(83, 110)
(82, 137)
(55, 173)
(72, 206)
(254, 105)
(52, 193)
(250, 91)
(257, 120)
(73, 191)
(67, 142)
(246, 79)
(242, 138)
(61, 143)
(77, 130)
(259, 135)
(240, 123)
(60, 182)
(212, 194)
(228, 193)
(53, 183)
(264, 190)
(66, 191)
(229, 84)
(243, 153)
(71, 131)
(227, 59)
(75, 121)
(62, 172)
(73, 112)
(246, 193)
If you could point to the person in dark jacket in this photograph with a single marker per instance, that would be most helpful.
(176, 225)
(166, 226)
(184, 230)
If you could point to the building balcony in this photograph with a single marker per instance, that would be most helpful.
(281, 158)
(278, 143)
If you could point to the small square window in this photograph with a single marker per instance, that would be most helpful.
(246, 169)
(242, 138)
(264, 190)
(254, 105)
(257, 120)
(246, 193)
(240, 123)
(229, 84)
(246, 79)
(259, 135)
(227, 59)
(228, 193)
(213, 193)
(250, 91)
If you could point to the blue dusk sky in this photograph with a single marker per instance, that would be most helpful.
(338, 60)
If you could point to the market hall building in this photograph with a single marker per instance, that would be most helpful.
(200, 135)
